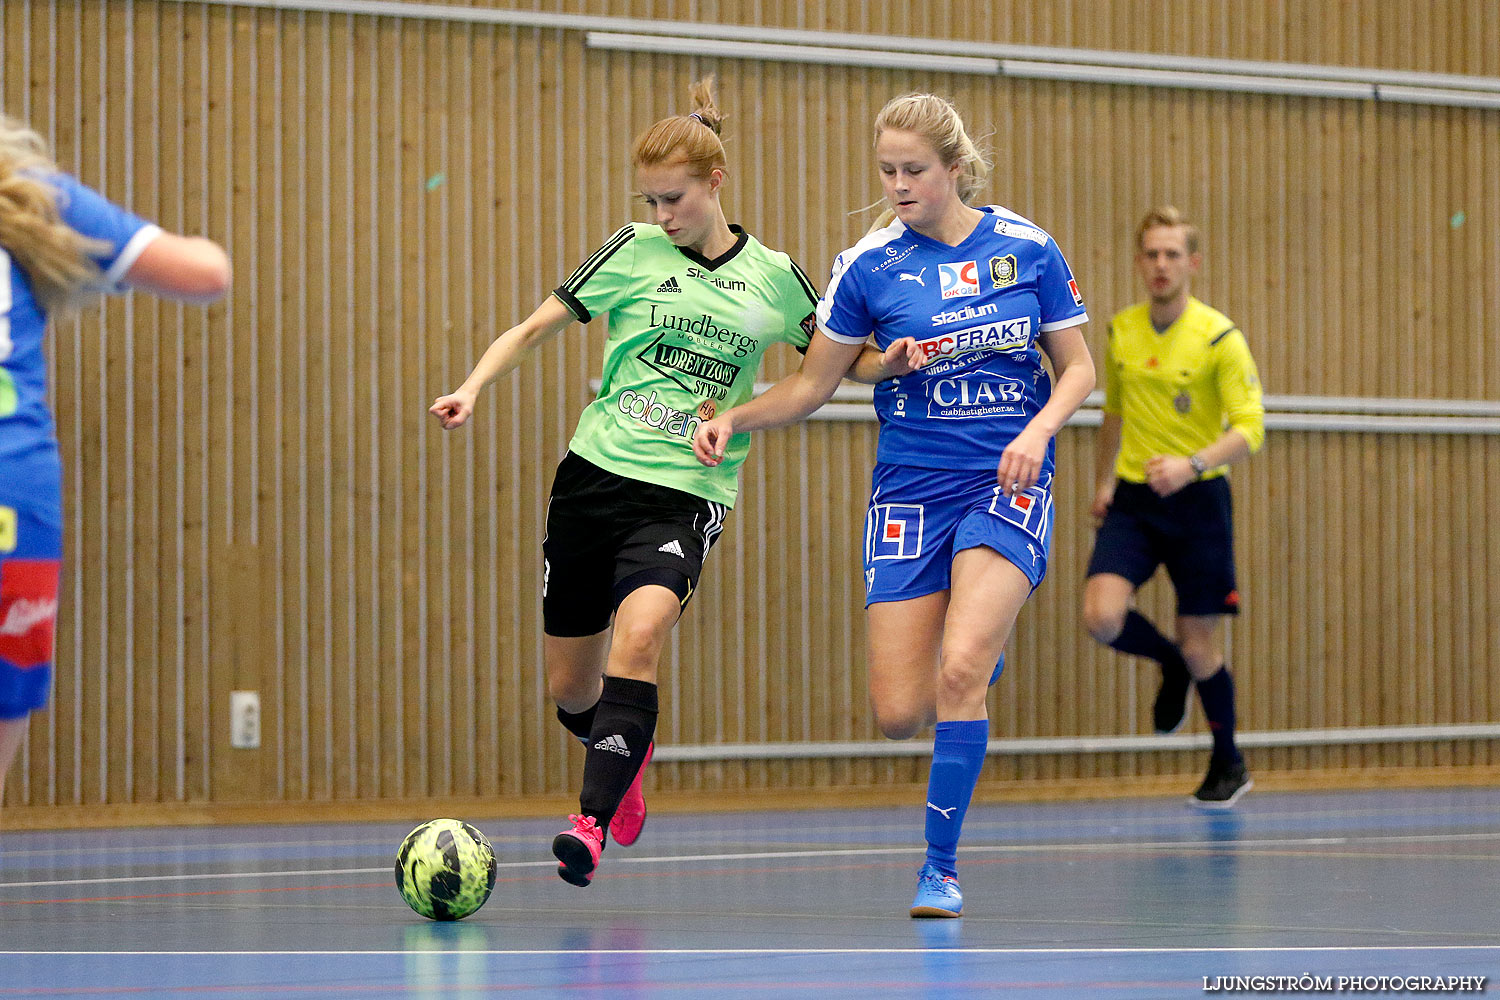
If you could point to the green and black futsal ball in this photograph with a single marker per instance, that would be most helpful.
(445, 869)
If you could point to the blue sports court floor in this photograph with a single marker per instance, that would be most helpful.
(1118, 899)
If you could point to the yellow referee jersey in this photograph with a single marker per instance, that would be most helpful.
(1178, 390)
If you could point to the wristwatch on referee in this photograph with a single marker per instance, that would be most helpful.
(1199, 466)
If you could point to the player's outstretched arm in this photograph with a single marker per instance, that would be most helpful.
(789, 400)
(502, 357)
(189, 268)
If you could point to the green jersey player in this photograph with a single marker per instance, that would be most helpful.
(693, 304)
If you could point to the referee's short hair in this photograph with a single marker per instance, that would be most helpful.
(1168, 215)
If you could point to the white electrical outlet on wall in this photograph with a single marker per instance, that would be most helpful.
(244, 719)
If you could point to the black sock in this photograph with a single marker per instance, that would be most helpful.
(580, 724)
(624, 723)
(1217, 696)
(1140, 638)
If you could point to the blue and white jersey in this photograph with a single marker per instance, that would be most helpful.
(26, 428)
(976, 309)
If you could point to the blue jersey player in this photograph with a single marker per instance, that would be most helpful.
(962, 302)
(59, 243)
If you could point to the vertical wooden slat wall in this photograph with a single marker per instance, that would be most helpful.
(256, 498)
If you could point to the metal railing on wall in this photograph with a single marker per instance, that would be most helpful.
(1026, 746)
(948, 55)
(1347, 414)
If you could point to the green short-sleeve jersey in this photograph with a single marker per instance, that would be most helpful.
(686, 335)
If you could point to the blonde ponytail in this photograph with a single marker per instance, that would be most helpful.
(53, 255)
(692, 138)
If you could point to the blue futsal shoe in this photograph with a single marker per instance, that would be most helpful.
(999, 666)
(938, 895)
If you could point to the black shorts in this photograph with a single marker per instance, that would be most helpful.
(608, 535)
(1190, 532)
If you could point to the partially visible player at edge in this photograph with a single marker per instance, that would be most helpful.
(693, 304)
(1182, 400)
(60, 244)
(959, 525)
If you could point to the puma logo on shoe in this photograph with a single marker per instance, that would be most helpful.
(946, 813)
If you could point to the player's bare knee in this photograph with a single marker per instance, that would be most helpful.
(1203, 658)
(963, 672)
(573, 692)
(1102, 618)
(635, 650)
(900, 720)
(902, 727)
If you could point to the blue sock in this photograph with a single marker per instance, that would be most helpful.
(957, 756)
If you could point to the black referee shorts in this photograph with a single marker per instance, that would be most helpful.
(608, 535)
(1189, 532)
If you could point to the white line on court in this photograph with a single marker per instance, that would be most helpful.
(1296, 949)
(976, 821)
(183, 845)
(381, 844)
(1084, 848)
(124, 880)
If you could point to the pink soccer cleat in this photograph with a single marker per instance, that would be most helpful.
(577, 850)
(631, 814)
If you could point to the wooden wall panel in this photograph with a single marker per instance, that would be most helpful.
(257, 499)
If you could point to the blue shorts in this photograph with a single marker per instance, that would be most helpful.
(30, 560)
(919, 519)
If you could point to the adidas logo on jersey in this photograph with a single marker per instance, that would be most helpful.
(670, 285)
(674, 547)
(614, 744)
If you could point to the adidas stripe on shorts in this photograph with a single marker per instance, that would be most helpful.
(608, 535)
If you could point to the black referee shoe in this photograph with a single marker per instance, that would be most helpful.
(1170, 710)
(1222, 787)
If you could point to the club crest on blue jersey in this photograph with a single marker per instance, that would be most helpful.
(1003, 270)
(893, 531)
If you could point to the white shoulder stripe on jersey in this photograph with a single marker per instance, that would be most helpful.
(1064, 324)
(841, 265)
(839, 338)
(5, 304)
(1018, 227)
(128, 257)
(1007, 214)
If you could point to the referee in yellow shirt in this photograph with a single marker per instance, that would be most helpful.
(1182, 401)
